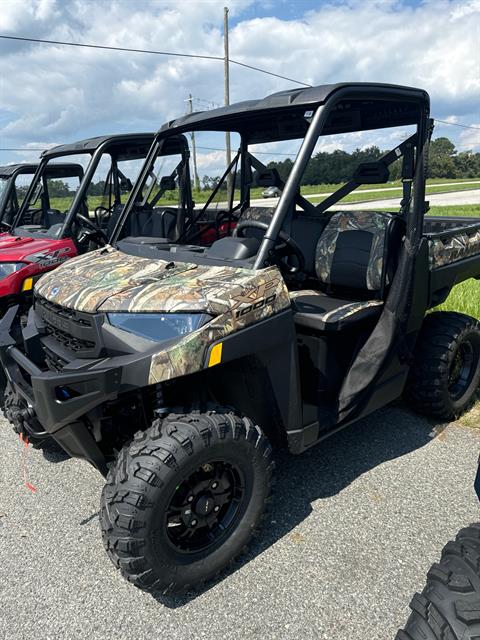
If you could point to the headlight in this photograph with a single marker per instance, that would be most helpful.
(158, 326)
(7, 268)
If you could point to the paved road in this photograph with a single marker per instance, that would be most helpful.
(469, 196)
(356, 523)
(438, 200)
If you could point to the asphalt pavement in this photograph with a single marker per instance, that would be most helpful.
(449, 198)
(356, 522)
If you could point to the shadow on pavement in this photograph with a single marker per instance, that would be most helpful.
(55, 454)
(324, 471)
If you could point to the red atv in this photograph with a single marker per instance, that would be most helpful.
(68, 209)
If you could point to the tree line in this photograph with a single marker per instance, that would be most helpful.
(338, 166)
(334, 167)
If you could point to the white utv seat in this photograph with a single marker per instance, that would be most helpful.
(355, 259)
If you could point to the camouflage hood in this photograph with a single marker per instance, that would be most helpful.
(109, 280)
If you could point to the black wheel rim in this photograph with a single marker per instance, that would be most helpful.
(205, 507)
(462, 370)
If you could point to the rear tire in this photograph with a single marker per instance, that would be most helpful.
(445, 375)
(449, 606)
(184, 498)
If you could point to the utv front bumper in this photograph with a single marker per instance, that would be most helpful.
(60, 399)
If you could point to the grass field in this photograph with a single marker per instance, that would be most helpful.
(201, 196)
(464, 298)
(462, 210)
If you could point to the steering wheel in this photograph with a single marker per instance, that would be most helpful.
(288, 247)
(92, 231)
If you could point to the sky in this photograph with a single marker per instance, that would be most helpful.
(51, 94)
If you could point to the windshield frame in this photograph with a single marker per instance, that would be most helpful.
(38, 179)
(95, 156)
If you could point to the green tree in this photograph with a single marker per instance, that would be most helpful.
(58, 189)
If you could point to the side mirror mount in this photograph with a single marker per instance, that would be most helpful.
(267, 178)
(125, 184)
(375, 172)
(167, 183)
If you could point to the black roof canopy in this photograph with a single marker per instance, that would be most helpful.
(284, 115)
(57, 170)
(14, 169)
(125, 146)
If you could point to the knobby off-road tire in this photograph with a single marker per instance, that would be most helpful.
(205, 462)
(14, 413)
(445, 376)
(449, 606)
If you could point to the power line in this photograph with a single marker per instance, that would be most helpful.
(457, 124)
(157, 53)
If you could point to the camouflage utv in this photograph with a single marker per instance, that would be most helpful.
(176, 365)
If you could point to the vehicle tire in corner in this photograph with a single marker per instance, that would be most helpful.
(184, 498)
(449, 606)
(445, 376)
(17, 413)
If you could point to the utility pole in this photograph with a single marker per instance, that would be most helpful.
(227, 90)
(194, 149)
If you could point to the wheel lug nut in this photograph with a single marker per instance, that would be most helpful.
(193, 523)
(214, 485)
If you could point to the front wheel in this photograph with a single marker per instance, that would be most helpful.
(184, 498)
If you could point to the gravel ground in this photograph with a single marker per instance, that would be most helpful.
(356, 523)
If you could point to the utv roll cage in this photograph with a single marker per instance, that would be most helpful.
(119, 147)
(11, 172)
(309, 114)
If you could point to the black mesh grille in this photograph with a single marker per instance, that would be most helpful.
(53, 361)
(62, 312)
(67, 340)
(66, 329)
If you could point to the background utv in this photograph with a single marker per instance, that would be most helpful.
(156, 358)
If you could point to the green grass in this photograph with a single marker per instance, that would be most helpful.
(462, 210)
(464, 298)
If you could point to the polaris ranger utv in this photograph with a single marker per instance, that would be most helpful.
(175, 367)
(49, 228)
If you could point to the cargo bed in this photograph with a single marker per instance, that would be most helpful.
(454, 248)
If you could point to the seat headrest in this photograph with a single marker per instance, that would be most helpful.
(351, 252)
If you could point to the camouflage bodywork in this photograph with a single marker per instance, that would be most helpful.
(454, 245)
(340, 313)
(111, 281)
(260, 214)
(369, 221)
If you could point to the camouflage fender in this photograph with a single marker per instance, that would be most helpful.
(254, 296)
